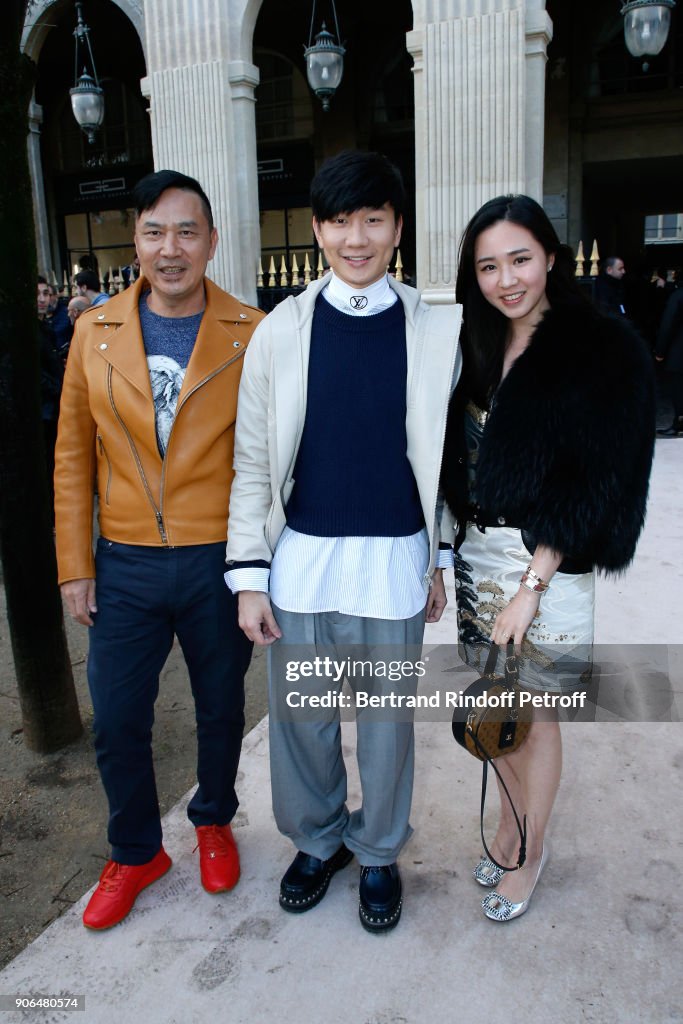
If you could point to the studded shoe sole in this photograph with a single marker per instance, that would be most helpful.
(373, 922)
(375, 919)
(300, 904)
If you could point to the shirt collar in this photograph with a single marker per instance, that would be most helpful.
(359, 301)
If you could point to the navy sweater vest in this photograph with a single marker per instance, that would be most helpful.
(352, 475)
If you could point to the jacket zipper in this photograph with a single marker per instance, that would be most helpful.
(103, 453)
(138, 462)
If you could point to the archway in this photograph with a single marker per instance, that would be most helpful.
(86, 190)
(373, 109)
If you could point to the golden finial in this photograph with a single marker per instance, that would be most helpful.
(580, 260)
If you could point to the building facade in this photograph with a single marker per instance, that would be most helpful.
(472, 98)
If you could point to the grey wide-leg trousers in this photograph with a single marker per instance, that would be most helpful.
(307, 767)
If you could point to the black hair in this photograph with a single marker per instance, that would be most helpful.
(88, 261)
(485, 328)
(149, 190)
(611, 261)
(89, 279)
(353, 180)
(41, 280)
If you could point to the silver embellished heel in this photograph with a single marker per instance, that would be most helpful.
(487, 873)
(500, 908)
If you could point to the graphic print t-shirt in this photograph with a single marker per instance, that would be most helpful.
(168, 345)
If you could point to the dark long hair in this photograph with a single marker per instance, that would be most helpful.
(485, 328)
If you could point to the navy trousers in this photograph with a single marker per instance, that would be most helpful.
(145, 596)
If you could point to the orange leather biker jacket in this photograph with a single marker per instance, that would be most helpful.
(107, 432)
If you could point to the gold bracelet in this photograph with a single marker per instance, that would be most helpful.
(535, 577)
(533, 582)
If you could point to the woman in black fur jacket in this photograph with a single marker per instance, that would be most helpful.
(546, 467)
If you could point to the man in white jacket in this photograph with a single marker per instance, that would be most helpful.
(335, 530)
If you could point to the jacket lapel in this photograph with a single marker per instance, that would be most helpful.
(219, 340)
(119, 340)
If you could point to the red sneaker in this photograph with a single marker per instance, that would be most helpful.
(119, 887)
(219, 861)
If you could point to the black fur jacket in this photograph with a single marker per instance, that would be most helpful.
(567, 447)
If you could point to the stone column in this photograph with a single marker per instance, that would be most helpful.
(244, 77)
(44, 258)
(478, 127)
(538, 33)
(203, 124)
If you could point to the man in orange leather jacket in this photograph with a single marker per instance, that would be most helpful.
(148, 412)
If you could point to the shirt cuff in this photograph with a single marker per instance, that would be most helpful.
(444, 558)
(247, 579)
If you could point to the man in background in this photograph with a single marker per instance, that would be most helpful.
(76, 306)
(88, 285)
(608, 291)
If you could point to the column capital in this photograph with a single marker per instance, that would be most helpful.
(35, 117)
(538, 31)
(243, 77)
(415, 41)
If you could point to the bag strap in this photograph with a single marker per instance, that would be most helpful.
(521, 826)
(511, 679)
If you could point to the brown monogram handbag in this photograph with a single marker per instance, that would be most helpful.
(497, 727)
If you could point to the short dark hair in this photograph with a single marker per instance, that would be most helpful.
(149, 190)
(353, 180)
(89, 279)
(88, 261)
(484, 327)
(611, 261)
(41, 279)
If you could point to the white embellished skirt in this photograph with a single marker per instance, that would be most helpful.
(557, 650)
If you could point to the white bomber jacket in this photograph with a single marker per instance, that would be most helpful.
(272, 408)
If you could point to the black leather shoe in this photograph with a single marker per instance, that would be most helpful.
(305, 881)
(671, 431)
(380, 898)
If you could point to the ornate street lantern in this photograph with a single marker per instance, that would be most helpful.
(324, 60)
(87, 98)
(646, 26)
